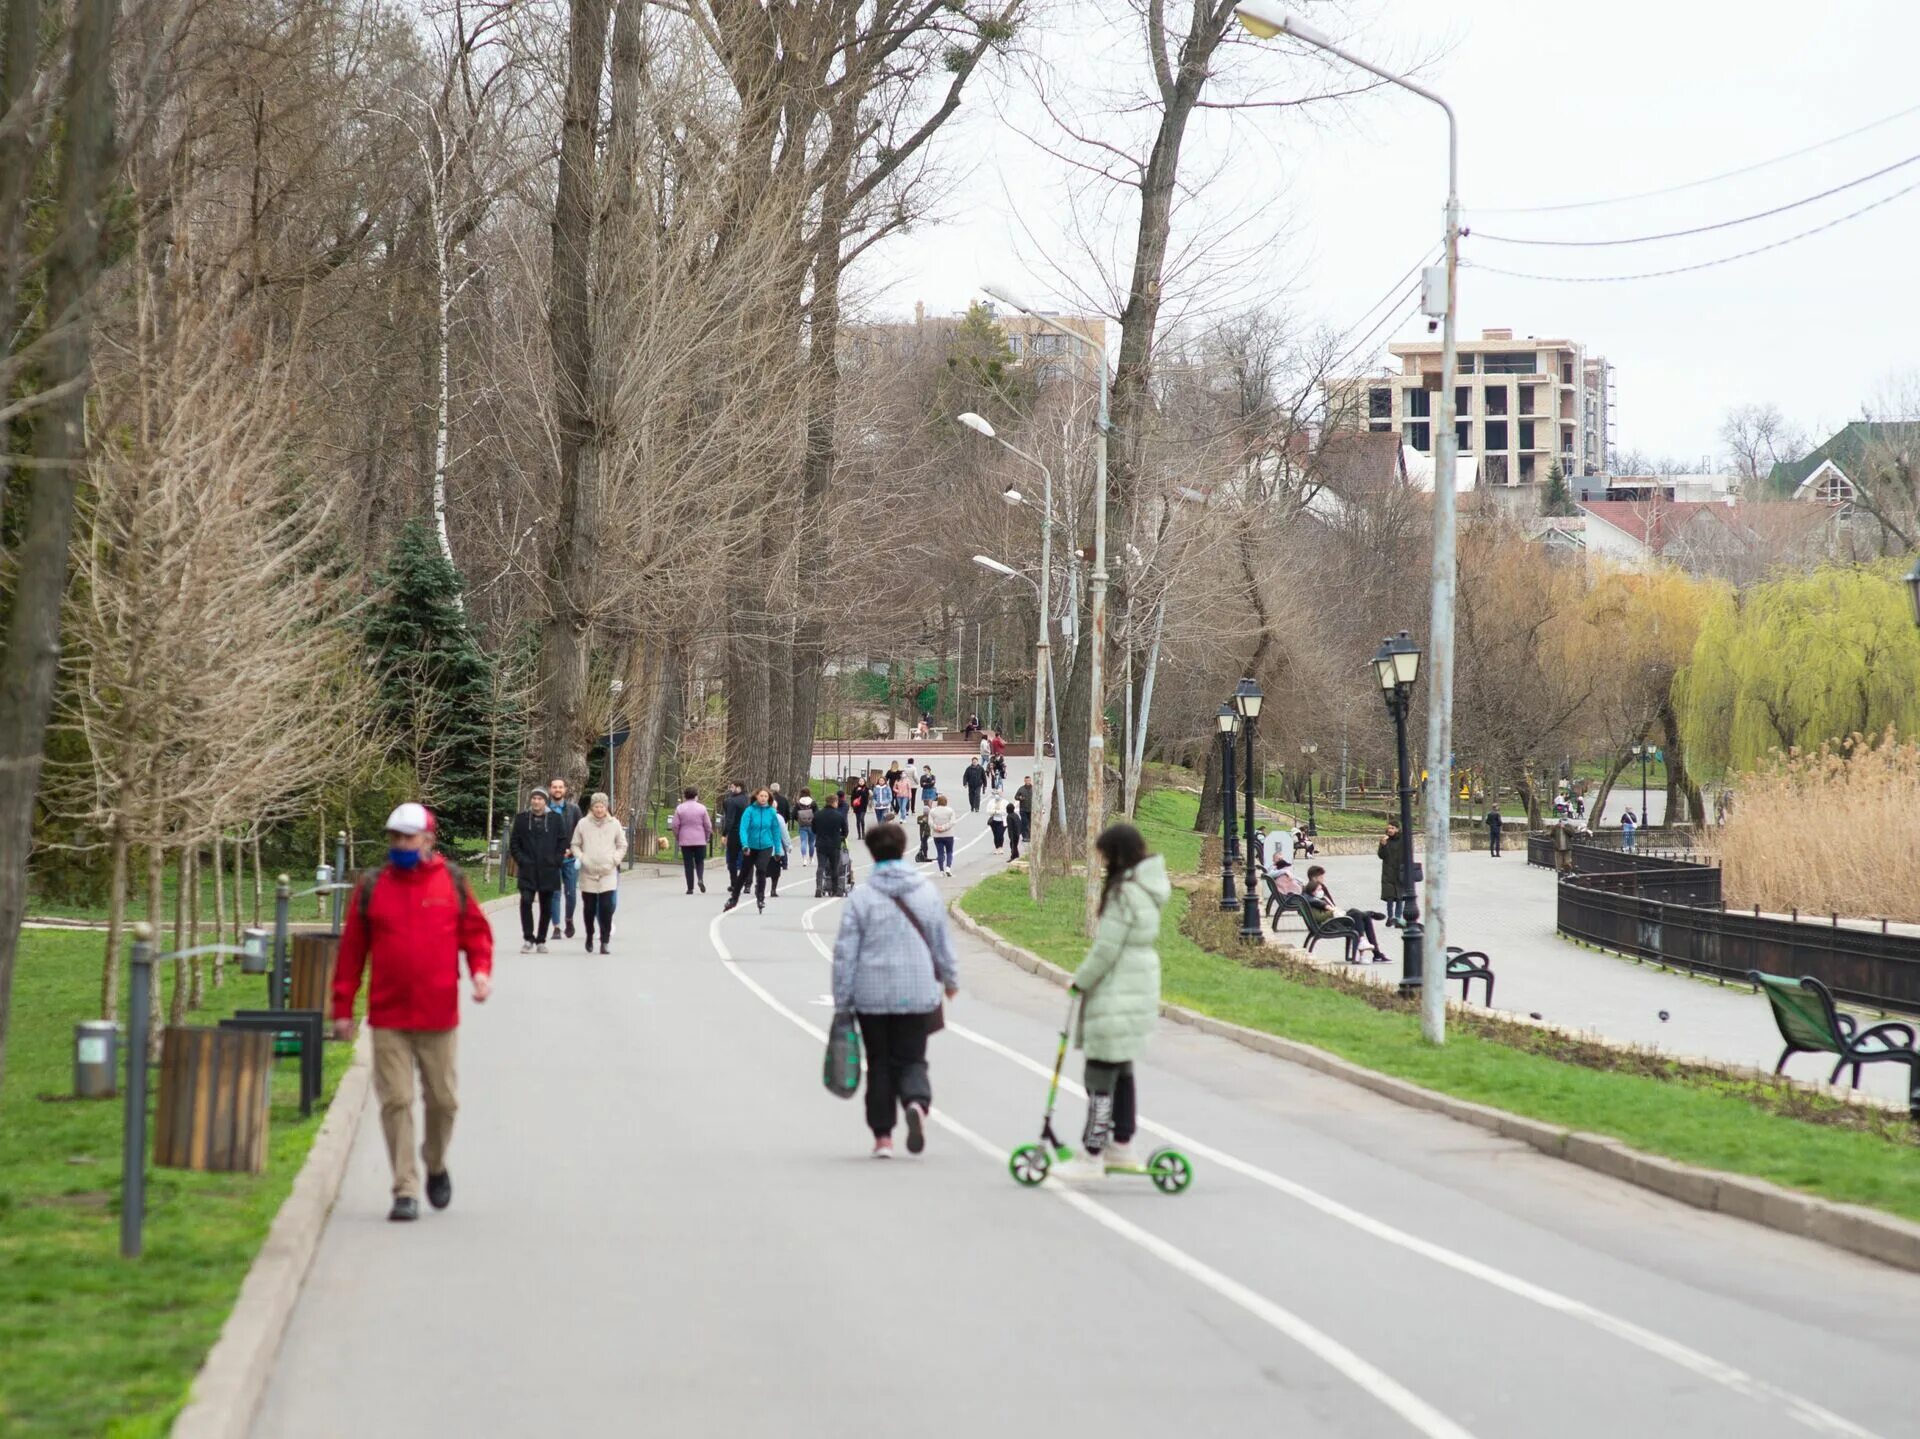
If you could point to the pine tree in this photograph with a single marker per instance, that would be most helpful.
(1554, 500)
(982, 372)
(437, 691)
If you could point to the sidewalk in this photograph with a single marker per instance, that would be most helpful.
(1506, 908)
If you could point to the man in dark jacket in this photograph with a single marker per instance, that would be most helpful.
(975, 780)
(830, 845)
(1493, 831)
(731, 809)
(538, 847)
(1024, 798)
(407, 929)
(1393, 874)
(570, 815)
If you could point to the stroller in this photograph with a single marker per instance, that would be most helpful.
(839, 882)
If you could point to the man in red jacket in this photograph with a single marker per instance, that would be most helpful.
(412, 921)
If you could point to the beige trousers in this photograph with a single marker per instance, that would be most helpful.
(396, 1054)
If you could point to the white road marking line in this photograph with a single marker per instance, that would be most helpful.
(1379, 1385)
(1813, 1415)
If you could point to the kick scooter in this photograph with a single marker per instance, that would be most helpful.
(1169, 1169)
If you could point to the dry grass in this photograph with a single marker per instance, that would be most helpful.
(1832, 831)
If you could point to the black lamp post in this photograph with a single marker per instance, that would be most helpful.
(1229, 721)
(1310, 750)
(1641, 751)
(1246, 704)
(1396, 664)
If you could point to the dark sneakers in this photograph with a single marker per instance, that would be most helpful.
(440, 1189)
(405, 1209)
(916, 1128)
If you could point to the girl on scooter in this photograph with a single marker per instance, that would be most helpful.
(1119, 984)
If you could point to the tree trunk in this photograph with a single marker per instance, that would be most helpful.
(779, 733)
(746, 690)
(646, 732)
(1615, 764)
(571, 574)
(1208, 820)
(220, 907)
(31, 658)
(156, 916)
(177, 1010)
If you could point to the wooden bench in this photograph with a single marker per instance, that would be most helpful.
(1811, 1023)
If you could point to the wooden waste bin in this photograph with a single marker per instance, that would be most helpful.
(215, 1085)
(310, 971)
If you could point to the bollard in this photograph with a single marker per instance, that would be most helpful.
(133, 1149)
(96, 1071)
(282, 904)
(340, 878)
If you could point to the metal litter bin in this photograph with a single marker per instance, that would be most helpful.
(96, 1059)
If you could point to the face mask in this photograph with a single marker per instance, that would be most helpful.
(403, 858)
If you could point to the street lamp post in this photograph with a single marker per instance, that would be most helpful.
(1043, 667)
(1439, 297)
(1229, 722)
(1640, 752)
(1310, 750)
(1043, 645)
(1097, 611)
(1396, 664)
(614, 688)
(1246, 703)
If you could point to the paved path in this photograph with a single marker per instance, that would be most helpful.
(663, 1225)
(1506, 907)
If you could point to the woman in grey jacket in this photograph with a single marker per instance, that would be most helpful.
(1119, 982)
(891, 962)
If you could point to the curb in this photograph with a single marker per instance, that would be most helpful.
(1859, 1230)
(228, 1388)
(226, 1393)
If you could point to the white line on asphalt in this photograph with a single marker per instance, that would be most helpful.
(1421, 1415)
(1813, 1415)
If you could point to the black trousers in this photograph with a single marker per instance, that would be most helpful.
(693, 859)
(860, 824)
(896, 1046)
(1111, 1104)
(549, 903)
(973, 798)
(756, 865)
(1493, 843)
(1013, 839)
(599, 907)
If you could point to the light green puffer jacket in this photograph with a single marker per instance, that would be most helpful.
(1120, 977)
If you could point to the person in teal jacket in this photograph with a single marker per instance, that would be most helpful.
(1119, 985)
(763, 847)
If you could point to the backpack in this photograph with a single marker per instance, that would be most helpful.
(363, 891)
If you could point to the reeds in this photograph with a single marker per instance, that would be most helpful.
(1832, 831)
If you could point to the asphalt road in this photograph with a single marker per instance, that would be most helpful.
(663, 1224)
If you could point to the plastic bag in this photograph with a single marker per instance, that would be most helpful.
(841, 1072)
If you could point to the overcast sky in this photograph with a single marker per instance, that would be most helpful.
(1319, 210)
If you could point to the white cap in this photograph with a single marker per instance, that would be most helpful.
(410, 818)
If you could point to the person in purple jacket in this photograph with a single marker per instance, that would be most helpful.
(693, 832)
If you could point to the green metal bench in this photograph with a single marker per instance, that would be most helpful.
(1811, 1023)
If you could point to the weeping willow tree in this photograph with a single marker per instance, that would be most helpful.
(1799, 661)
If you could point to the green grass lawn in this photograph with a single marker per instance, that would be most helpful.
(1698, 1125)
(91, 1344)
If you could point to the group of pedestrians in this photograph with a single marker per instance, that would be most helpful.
(563, 860)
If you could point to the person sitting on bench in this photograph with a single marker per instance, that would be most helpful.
(1321, 898)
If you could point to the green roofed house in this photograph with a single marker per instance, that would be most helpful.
(1835, 472)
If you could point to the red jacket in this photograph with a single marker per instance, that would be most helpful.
(414, 932)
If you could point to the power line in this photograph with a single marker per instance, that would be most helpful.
(1704, 264)
(1704, 229)
(1426, 258)
(1391, 317)
(1695, 184)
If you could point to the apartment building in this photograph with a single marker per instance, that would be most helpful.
(1519, 405)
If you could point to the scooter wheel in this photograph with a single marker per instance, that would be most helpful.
(1170, 1171)
(1029, 1164)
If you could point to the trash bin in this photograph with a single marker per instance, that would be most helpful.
(96, 1059)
